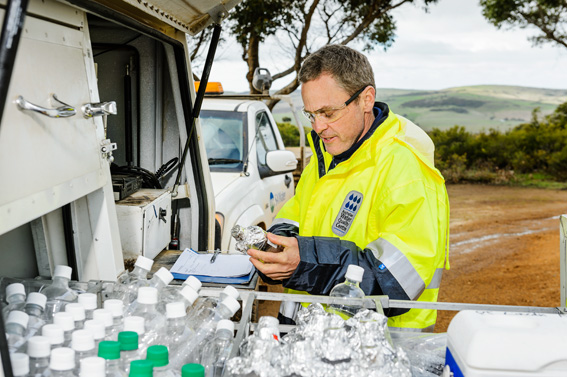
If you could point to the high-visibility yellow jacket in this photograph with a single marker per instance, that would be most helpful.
(384, 208)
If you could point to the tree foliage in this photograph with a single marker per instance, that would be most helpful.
(548, 16)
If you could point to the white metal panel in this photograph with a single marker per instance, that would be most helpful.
(47, 162)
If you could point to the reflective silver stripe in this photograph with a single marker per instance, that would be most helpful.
(435, 282)
(413, 329)
(285, 221)
(289, 309)
(399, 265)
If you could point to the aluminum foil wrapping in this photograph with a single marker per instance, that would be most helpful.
(252, 237)
(324, 345)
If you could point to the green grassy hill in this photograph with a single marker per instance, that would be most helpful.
(477, 108)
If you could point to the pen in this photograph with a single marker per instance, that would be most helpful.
(214, 257)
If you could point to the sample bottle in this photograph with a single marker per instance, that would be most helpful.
(105, 316)
(77, 310)
(192, 370)
(67, 323)
(145, 306)
(216, 351)
(15, 297)
(128, 349)
(177, 331)
(93, 366)
(110, 351)
(116, 308)
(349, 289)
(89, 302)
(16, 325)
(55, 335)
(35, 306)
(98, 330)
(82, 342)
(141, 368)
(128, 290)
(58, 292)
(252, 237)
(39, 349)
(61, 363)
(20, 364)
(159, 356)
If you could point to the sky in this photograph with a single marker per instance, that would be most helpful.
(452, 45)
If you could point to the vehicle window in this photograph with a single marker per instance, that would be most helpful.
(223, 135)
(265, 137)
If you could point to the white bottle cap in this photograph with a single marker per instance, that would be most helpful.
(37, 298)
(62, 358)
(116, 307)
(39, 346)
(88, 300)
(134, 323)
(229, 290)
(354, 273)
(63, 271)
(65, 320)
(76, 310)
(164, 275)
(225, 324)
(147, 295)
(93, 366)
(96, 327)
(82, 340)
(19, 317)
(103, 315)
(15, 289)
(145, 263)
(231, 304)
(20, 363)
(268, 321)
(175, 310)
(190, 294)
(54, 333)
(193, 282)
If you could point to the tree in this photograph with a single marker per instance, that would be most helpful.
(548, 16)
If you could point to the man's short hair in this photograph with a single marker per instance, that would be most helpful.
(350, 68)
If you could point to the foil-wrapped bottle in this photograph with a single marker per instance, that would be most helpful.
(252, 237)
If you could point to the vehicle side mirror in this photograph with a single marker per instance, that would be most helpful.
(281, 161)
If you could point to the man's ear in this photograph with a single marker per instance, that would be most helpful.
(368, 97)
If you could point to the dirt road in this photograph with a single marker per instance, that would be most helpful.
(504, 247)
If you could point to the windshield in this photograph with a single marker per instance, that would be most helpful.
(223, 134)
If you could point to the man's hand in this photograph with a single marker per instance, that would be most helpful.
(278, 265)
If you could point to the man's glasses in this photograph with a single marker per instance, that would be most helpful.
(329, 115)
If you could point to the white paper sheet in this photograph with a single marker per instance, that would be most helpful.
(225, 265)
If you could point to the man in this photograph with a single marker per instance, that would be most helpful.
(370, 196)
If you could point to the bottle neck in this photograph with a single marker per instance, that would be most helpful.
(176, 324)
(16, 299)
(139, 272)
(222, 312)
(157, 283)
(15, 329)
(34, 310)
(352, 282)
(224, 334)
(61, 281)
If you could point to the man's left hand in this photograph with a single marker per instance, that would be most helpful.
(279, 265)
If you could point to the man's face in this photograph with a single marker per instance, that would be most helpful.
(323, 96)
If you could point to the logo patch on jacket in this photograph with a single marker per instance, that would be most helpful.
(348, 211)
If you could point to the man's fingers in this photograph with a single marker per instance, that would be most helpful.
(281, 240)
(264, 256)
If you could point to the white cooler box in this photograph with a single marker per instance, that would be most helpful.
(482, 344)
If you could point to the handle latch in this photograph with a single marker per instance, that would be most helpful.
(64, 111)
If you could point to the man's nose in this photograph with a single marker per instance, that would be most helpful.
(319, 126)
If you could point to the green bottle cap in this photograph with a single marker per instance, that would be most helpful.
(192, 370)
(158, 355)
(128, 340)
(141, 368)
(109, 350)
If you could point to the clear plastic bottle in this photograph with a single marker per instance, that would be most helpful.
(116, 307)
(161, 279)
(39, 349)
(61, 363)
(77, 310)
(145, 306)
(205, 305)
(177, 332)
(187, 295)
(110, 351)
(15, 297)
(82, 342)
(104, 316)
(349, 289)
(141, 368)
(216, 351)
(16, 325)
(204, 330)
(159, 356)
(173, 294)
(67, 323)
(128, 349)
(93, 366)
(266, 336)
(192, 370)
(58, 292)
(98, 330)
(55, 335)
(20, 364)
(35, 306)
(89, 302)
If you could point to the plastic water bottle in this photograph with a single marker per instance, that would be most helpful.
(177, 330)
(16, 325)
(15, 297)
(110, 351)
(141, 368)
(35, 306)
(187, 295)
(145, 306)
(89, 302)
(161, 279)
(128, 349)
(159, 356)
(39, 349)
(145, 339)
(58, 292)
(55, 335)
(116, 308)
(93, 366)
(192, 370)
(173, 294)
(82, 342)
(20, 364)
(67, 323)
(98, 330)
(216, 352)
(268, 334)
(61, 363)
(77, 310)
(104, 316)
(349, 289)
(205, 305)
(127, 287)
